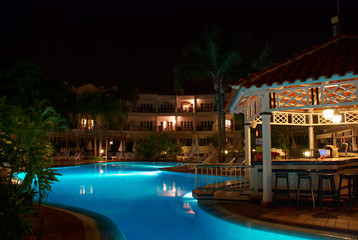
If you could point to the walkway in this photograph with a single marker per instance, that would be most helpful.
(341, 221)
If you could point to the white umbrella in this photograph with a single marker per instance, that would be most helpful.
(77, 149)
(89, 145)
(196, 145)
(121, 147)
(133, 148)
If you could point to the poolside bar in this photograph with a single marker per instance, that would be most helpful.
(297, 92)
(294, 167)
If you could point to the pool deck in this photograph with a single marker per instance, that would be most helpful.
(342, 223)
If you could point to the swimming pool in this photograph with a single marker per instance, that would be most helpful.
(146, 203)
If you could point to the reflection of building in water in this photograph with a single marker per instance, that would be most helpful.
(86, 191)
(182, 203)
(170, 190)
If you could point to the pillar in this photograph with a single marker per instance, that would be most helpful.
(311, 131)
(311, 137)
(247, 144)
(266, 159)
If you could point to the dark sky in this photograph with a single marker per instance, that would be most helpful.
(140, 41)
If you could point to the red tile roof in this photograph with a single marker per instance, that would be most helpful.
(338, 55)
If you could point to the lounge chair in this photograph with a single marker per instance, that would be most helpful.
(64, 156)
(209, 159)
(129, 156)
(239, 161)
(184, 156)
(118, 156)
(77, 156)
(229, 160)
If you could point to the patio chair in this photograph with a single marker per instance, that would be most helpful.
(209, 159)
(118, 156)
(184, 156)
(77, 156)
(129, 156)
(64, 156)
(229, 160)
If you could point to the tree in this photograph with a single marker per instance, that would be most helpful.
(21, 82)
(265, 59)
(108, 105)
(156, 146)
(214, 64)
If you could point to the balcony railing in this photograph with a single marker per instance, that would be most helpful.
(186, 110)
(206, 109)
(139, 128)
(142, 110)
(168, 110)
(202, 128)
(185, 129)
(167, 129)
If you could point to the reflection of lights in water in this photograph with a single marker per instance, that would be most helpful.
(189, 195)
(101, 171)
(187, 199)
(83, 190)
(169, 191)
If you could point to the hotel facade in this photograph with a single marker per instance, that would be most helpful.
(183, 117)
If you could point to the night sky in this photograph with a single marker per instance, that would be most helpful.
(84, 41)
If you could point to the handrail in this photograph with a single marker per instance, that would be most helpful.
(222, 176)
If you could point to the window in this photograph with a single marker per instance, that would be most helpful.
(146, 125)
(87, 123)
(186, 126)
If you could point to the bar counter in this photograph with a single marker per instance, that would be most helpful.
(295, 166)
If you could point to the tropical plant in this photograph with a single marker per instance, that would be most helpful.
(108, 106)
(157, 146)
(265, 59)
(24, 148)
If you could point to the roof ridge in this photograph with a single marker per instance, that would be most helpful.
(301, 55)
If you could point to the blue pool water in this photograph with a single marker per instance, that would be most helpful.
(146, 203)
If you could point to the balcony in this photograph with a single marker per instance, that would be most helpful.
(185, 110)
(166, 110)
(180, 129)
(167, 129)
(204, 128)
(142, 110)
(145, 129)
(206, 109)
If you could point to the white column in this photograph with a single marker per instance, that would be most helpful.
(311, 137)
(266, 159)
(311, 130)
(247, 144)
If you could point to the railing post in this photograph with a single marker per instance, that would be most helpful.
(196, 177)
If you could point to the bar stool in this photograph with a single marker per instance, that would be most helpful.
(282, 192)
(352, 179)
(333, 193)
(301, 176)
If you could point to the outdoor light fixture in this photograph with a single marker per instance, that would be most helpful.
(110, 142)
(307, 154)
(253, 124)
(337, 117)
(226, 151)
(328, 114)
(102, 150)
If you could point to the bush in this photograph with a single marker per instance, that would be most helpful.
(158, 146)
(15, 207)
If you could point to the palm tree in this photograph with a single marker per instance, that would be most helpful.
(108, 105)
(210, 63)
